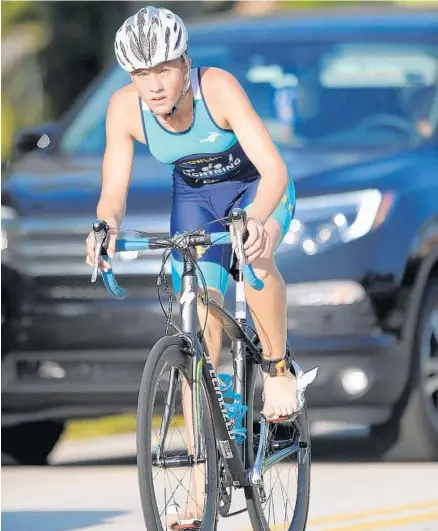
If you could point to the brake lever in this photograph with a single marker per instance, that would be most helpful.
(237, 218)
(100, 229)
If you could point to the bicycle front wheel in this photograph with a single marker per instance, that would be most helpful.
(175, 491)
(281, 502)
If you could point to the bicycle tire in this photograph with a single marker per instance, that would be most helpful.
(252, 495)
(169, 351)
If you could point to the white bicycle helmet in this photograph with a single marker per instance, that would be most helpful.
(150, 37)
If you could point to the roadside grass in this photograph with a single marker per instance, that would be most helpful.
(112, 425)
(101, 427)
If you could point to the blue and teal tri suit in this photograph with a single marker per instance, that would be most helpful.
(211, 175)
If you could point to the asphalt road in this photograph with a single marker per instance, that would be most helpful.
(92, 486)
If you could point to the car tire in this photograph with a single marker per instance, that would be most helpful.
(412, 432)
(31, 443)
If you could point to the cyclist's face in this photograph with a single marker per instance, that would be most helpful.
(161, 86)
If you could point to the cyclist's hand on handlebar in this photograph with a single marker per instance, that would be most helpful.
(90, 246)
(258, 239)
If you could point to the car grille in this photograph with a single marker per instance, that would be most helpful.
(56, 248)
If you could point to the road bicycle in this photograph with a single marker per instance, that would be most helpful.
(231, 448)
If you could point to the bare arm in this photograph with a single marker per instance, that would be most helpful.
(117, 164)
(255, 141)
(116, 173)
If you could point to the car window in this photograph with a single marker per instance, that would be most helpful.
(325, 93)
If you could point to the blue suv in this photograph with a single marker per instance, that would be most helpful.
(352, 101)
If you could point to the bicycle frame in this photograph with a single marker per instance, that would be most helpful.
(228, 448)
(233, 456)
(245, 355)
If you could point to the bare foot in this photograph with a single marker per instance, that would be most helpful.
(280, 395)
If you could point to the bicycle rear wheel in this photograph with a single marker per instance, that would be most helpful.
(282, 501)
(166, 377)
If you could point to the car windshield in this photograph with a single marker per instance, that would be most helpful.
(310, 93)
(336, 93)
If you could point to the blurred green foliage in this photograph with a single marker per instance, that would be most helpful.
(23, 33)
(16, 12)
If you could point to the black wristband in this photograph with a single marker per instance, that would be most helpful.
(277, 367)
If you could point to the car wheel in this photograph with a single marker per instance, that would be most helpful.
(30, 443)
(413, 433)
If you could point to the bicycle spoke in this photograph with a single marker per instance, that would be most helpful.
(172, 495)
(189, 494)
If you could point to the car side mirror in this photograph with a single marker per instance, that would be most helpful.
(29, 139)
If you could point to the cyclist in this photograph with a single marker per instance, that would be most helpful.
(200, 121)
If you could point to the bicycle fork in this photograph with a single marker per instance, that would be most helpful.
(189, 317)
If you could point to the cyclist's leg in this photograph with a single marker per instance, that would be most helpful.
(269, 306)
(190, 213)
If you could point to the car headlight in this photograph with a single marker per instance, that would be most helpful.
(323, 221)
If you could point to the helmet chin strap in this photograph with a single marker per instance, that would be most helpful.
(183, 93)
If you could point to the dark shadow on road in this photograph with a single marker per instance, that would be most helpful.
(346, 450)
(108, 461)
(55, 520)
